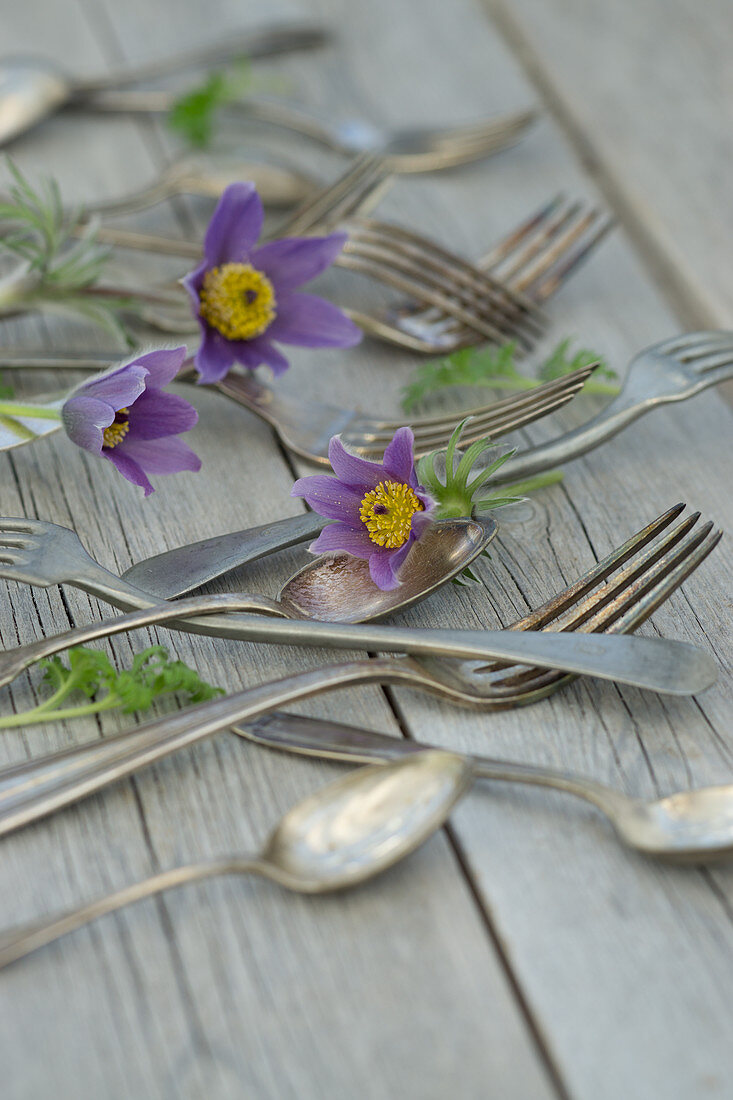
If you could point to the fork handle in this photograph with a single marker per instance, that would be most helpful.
(609, 422)
(36, 788)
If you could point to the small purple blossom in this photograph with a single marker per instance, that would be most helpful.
(378, 507)
(125, 415)
(245, 298)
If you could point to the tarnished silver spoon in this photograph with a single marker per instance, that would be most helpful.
(692, 825)
(32, 88)
(346, 833)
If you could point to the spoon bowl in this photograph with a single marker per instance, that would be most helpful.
(348, 832)
(682, 826)
(30, 90)
(337, 588)
(364, 823)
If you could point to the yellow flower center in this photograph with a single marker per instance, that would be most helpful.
(387, 513)
(237, 301)
(117, 430)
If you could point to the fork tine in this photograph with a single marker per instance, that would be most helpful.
(639, 613)
(647, 579)
(516, 237)
(363, 171)
(470, 306)
(13, 523)
(492, 427)
(468, 271)
(565, 214)
(721, 341)
(710, 362)
(572, 382)
(426, 295)
(632, 607)
(688, 341)
(595, 607)
(561, 274)
(560, 603)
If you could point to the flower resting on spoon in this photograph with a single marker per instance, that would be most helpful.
(126, 416)
(378, 508)
(245, 297)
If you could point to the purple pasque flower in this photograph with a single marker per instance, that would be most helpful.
(245, 298)
(378, 507)
(126, 416)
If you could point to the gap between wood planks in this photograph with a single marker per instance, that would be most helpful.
(680, 290)
(111, 45)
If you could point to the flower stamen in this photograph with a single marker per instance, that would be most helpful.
(387, 513)
(117, 430)
(237, 300)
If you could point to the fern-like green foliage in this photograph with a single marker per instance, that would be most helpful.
(496, 368)
(90, 676)
(193, 115)
(39, 229)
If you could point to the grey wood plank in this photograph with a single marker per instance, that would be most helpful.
(580, 921)
(645, 91)
(235, 989)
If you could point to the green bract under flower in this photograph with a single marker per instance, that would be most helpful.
(458, 493)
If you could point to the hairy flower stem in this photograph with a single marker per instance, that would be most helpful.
(36, 412)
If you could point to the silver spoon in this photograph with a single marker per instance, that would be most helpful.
(688, 825)
(346, 833)
(31, 89)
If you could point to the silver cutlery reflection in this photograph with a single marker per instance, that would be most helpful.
(411, 149)
(332, 588)
(306, 427)
(344, 834)
(691, 825)
(31, 88)
(337, 589)
(670, 371)
(452, 302)
(648, 571)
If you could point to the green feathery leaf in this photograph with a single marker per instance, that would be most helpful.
(496, 368)
(89, 673)
(193, 115)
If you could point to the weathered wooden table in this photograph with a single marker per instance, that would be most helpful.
(522, 953)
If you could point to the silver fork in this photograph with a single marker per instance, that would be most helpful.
(415, 149)
(306, 427)
(649, 572)
(670, 371)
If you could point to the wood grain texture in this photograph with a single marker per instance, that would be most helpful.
(645, 91)
(521, 954)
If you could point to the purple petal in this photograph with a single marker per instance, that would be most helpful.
(193, 283)
(351, 469)
(292, 261)
(214, 357)
(383, 566)
(156, 414)
(159, 456)
(399, 460)
(312, 322)
(329, 497)
(85, 419)
(162, 365)
(235, 225)
(250, 353)
(129, 469)
(337, 536)
(421, 521)
(120, 388)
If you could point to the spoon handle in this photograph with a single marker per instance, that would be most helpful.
(20, 942)
(338, 741)
(263, 42)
